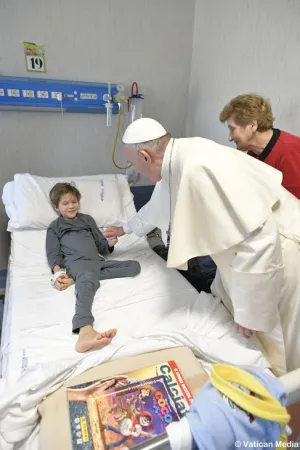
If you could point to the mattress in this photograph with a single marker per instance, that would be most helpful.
(38, 321)
(155, 310)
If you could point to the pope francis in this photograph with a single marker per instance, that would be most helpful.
(220, 202)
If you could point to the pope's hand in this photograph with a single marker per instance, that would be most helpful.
(114, 232)
(245, 332)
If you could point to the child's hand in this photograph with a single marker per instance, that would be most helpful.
(63, 282)
(58, 284)
(112, 241)
(66, 282)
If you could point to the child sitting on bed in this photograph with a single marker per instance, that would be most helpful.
(74, 247)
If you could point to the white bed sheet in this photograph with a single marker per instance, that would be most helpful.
(158, 309)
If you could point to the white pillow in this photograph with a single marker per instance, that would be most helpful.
(8, 199)
(129, 209)
(102, 198)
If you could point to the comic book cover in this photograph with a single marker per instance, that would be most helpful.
(174, 380)
(84, 410)
(124, 417)
(80, 423)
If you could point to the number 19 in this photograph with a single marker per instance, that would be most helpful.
(36, 63)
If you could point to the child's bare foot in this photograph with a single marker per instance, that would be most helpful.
(90, 339)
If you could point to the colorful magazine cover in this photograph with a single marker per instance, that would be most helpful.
(175, 381)
(123, 411)
(130, 415)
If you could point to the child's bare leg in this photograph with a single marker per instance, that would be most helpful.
(90, 339)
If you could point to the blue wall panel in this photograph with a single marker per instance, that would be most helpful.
(32, 94)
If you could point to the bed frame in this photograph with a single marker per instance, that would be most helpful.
(5, 310)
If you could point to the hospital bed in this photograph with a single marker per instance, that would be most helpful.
(156, 310)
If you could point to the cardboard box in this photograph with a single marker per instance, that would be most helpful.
(55, 427)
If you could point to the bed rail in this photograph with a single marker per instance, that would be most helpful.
(291, 382)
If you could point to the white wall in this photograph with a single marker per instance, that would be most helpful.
(243, 46)
(148, 41)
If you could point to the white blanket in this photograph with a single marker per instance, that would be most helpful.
(158, 309)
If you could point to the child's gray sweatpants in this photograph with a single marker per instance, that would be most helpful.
(87, 276)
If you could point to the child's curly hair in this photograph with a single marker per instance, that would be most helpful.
(60, 189)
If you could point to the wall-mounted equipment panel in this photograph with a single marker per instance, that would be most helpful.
(34, 94)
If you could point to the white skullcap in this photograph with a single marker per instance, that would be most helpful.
(143, 130)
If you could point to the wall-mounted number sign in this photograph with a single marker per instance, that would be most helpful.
(34, 57)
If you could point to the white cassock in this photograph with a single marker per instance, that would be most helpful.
(233, 207)
(155, 214)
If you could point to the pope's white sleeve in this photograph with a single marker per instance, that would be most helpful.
(127, 228)
(138, 223)
(256, 278)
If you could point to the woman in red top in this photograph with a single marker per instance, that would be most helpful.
(250, 123)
